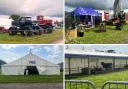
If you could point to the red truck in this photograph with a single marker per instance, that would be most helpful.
(46, 24)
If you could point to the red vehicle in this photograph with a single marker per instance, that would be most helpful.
(3, 30)
(46, 24)
(42, 21)
(106, 16)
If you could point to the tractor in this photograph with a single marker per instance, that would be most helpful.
(45, 24)
(118, 18)
(25, 26)
(119, 15)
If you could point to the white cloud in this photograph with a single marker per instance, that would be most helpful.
(55, 54)
(48, 49)
(9, 56)
(96, 4)
(32, 7)
(9, 46)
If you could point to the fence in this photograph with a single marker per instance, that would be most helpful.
(110, 85)
(79, 84)
(85, 84)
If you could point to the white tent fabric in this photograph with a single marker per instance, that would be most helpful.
(18, 67)
(41, 69)
(94, 53)
(5, 22)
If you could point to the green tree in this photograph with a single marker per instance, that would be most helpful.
(15, 17)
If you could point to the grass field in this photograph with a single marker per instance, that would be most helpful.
(35, 39)
(31, 79)
(100, 79)
(112, 36)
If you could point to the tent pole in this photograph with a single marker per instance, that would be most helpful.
(97, 62)
(69, 66)
(114, 64)
(84, 62)
(74, 20)
(89, 66)
(92, 20)
(126, 61)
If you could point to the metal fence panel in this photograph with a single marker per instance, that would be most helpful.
(115, 85)
(79, 84)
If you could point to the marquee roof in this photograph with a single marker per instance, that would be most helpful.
(30, 59)
(85, 11)
(83, 54)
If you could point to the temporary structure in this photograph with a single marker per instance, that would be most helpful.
(86, 15)
(30, 64)
(76, 61)
(85, 11)
(4, 22)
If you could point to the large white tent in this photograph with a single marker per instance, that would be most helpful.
(30, 64)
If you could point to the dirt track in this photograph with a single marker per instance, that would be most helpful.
(59, 41)
(31, 86)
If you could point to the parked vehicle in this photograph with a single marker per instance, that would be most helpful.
(25, 26)
(3, 30)
(46, 24)
(47, 28)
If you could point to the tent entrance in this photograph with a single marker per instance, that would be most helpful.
(31, 70)
(85, 18)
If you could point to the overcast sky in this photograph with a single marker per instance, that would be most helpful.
(95, 4)
(52, 53)
(118, 48)
(52, 8)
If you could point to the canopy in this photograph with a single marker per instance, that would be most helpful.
(85, 11)
(84, 54)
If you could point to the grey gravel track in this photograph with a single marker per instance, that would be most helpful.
(31, 86)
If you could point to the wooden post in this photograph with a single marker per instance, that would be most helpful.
(89, 72)
(69, 66)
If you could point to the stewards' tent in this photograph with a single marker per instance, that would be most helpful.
(86, 15)
(30, 64)
(85, 62)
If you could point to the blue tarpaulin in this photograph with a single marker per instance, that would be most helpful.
(85, 11)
